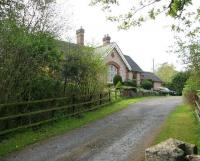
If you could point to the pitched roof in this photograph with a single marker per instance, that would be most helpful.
(106, 49)
(151, 76)
(133, 64)
(65, 46)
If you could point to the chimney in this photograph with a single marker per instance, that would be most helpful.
(80, 36)
(106, 39)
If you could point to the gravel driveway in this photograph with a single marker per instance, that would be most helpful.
(122, 136)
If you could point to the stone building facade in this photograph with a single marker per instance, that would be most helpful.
(117, 62)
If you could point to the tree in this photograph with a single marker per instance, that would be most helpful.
(116, 79)
(147, 84)
(149, 10)
(83, 71)
(25, 59)
(35, 15)
(166, 72)
(187, 46)
(29, 57)
(178, 82)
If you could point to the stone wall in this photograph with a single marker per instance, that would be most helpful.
(114, 57)
(172, 150)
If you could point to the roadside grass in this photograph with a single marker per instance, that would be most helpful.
(21, 139)
(181, 124)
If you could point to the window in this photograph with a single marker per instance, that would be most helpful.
(112, 72)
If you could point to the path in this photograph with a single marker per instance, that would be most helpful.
(122, 136)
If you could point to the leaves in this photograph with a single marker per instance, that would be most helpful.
(142, 10)
(84, 71)
(166, 72)
(25, 57)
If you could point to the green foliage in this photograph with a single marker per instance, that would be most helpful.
(178, 82)
(166, 72)
(26, 59)
(32, 64)
(147, 84)
(188, 48)
(191, 87)
(132, 83)
(83, 71)
(142, 11)
(116, 79)
(46, 87)
(118, 85)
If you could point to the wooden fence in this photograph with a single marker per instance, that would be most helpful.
(17, 116)
(198, 104)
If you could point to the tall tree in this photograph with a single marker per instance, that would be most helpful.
(28, 51)
(35, 15)
(166, 72)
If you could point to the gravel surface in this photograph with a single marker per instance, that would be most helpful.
(122, 136)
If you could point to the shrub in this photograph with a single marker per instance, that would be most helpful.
(131, 83)
(116, 79)
(191, 87)
(147, 84)
(118, 85)
(178, 82)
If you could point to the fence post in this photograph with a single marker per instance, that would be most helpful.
(73, 102)
(109, 97)
(100, 96)
(115, 94)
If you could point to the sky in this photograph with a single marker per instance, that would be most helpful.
(150, 41)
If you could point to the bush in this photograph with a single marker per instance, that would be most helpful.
(178, 82)
(118, 85)
(191, 87)
(131, 83)
(147, 84)
(116, 79)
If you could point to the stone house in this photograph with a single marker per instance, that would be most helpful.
(117, 62)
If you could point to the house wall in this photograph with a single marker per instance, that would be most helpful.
(130, 75)
(156, 85)
(115, 57)
(138, 78)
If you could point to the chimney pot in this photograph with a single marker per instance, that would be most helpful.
(106, 39)
(80, 36)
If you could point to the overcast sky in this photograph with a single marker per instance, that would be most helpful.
(143, 44)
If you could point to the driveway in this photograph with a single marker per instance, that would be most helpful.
(122, 136)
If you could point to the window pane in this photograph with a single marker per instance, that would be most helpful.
(112, 72)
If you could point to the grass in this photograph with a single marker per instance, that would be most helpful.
(20, 140)
(183, 125)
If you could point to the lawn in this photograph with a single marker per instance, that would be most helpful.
(183, 125)
(20, 140)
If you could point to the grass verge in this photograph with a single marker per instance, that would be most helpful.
(20, 140)
(181, 124)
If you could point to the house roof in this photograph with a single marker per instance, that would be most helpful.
(106, 49)
(67, 46)
(151, 76)
(133, 64)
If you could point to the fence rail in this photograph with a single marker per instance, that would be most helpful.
(198, 104)
(17, 116)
